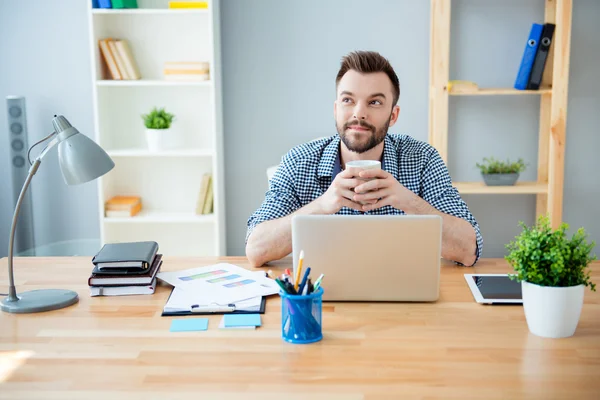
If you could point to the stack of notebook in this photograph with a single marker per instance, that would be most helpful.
(125, 269)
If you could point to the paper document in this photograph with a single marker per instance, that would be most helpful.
(215, 288)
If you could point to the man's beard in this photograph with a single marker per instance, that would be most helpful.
(377, 135)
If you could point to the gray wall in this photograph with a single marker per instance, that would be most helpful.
(45, 57)
(280, 61)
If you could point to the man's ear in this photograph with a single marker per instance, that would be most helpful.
(394, 115)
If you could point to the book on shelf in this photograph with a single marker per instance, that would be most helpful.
(123, 206)
(125, 258)
(533, 61)
(188, 4)
(205, 197)
(109, 61)
(101, 4)
(145, 278)
(117, 60)
(122, 290)
(186, 71)
(541, 55)
(124, 4)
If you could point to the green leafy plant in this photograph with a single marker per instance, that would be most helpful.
(545, 257)
(158, 119)
(492, 166)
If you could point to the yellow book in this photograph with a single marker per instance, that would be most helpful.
(118, 59)
(203, 192)
(109, 59)
(129, 62)
(188, 4)
(208, 204)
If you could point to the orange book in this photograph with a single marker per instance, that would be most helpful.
(123, 206)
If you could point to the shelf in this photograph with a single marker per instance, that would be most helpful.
(151, 82)
(498, 91)
(146, 216)
(148, 11)
(519, 188)
(164, 153)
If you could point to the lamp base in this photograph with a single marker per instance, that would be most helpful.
(40, 300)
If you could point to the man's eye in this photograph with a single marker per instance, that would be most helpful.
(376, 102)
(346, 100)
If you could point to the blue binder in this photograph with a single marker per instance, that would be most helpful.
(105, 3)
(529, 56)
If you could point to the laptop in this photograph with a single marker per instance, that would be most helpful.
(371, 257)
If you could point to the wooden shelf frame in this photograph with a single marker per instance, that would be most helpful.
(553, 106)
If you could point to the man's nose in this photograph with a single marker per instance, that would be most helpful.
(360, 112)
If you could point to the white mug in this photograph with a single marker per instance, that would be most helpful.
(364, 165)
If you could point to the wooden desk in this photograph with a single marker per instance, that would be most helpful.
(121, 348)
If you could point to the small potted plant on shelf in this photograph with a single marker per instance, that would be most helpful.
(553, 275)
(500, 173)
(158, 129)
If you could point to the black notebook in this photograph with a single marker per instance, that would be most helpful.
(127, 257)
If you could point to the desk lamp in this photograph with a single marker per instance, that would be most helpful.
(81, 160)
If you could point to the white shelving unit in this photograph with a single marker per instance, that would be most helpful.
(169, 181)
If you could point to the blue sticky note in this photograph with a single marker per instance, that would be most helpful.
(189, 325)
(232, 320)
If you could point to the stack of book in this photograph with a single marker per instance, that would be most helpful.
(205, 201)
(186, 71)
(123, 206)
(117, 60)
(125, 269)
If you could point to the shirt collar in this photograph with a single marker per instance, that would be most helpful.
(331, 164)
(328, 159)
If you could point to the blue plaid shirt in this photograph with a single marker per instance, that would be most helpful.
(306, 172)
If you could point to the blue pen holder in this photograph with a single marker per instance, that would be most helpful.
(301, 317)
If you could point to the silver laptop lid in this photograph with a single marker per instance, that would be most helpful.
(371, 257)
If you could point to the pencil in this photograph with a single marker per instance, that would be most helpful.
(299, 270)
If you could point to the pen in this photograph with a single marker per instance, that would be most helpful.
(299, 271)
(270, 274)
(318, 282)
(305, 290)
(311, 288)
(281, 285)
(290, 288)
(287, 272)
(212, 308)
(303, 283)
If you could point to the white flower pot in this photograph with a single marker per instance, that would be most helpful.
(161, 139)
(552, 312)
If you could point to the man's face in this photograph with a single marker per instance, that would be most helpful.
(363, 109)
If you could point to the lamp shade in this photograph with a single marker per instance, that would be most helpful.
(81, 159)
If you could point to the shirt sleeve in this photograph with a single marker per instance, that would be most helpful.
(437, 190)
(280, 200)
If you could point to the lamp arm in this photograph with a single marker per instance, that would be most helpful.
(12, 291)
(36, 143)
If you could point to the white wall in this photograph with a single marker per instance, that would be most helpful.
(281, 59)
(45, 57)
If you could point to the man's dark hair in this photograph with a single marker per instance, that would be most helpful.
(367, 62)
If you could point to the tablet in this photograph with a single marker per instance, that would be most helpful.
(494, 289)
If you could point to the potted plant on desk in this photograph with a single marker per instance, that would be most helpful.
(552, 271)
(158, 133)
(500, 173)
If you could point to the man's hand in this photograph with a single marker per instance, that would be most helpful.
(384, 190)
(341, 192)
